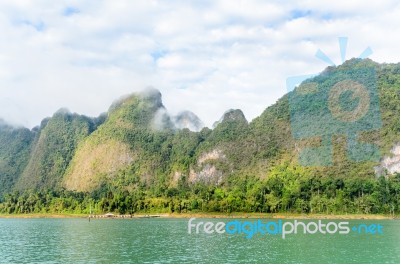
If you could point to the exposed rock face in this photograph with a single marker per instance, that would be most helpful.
(212, 155)
(189, 120)
(206, 170)
(208, 175)
(391, 164)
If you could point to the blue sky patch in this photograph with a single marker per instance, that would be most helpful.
(38, 26)
(69, 11)
(295, 14)
(158, 54)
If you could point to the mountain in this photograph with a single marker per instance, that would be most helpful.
(15, 147)
(189, 120)
(309, 137)
(53, 148)
(107, 150)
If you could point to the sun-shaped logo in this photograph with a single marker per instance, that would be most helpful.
(343, 50)
(341, 101)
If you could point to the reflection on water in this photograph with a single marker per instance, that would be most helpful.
(167, 241)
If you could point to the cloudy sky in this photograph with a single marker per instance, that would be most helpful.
(204, 56)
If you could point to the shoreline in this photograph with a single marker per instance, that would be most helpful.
(281, 216)
(39, 215)
(209, 215)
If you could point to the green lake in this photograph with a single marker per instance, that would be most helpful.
(159, 240)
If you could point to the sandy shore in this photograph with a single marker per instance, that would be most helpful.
(217, 215)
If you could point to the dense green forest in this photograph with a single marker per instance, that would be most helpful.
(287, 190)
(135, 159)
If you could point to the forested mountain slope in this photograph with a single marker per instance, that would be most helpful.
(293, 152)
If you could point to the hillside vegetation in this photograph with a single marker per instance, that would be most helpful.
(138, 158)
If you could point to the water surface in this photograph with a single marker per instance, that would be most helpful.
(167, 241)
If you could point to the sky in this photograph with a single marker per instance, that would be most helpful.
(204, 56)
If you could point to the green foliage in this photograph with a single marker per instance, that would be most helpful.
(288, 189)
(53, 149)
(257, 160)
(15, 146)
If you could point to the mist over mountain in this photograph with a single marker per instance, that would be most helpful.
(189, 120)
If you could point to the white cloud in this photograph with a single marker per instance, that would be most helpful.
(205, 56)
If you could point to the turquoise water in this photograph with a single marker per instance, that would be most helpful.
(168, 241)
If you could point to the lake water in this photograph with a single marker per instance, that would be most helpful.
(168, 241)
